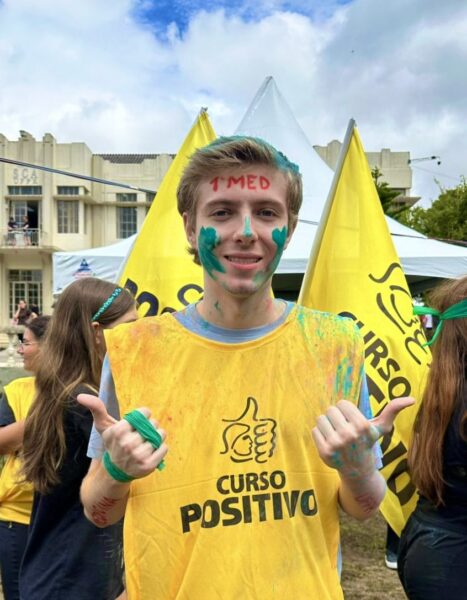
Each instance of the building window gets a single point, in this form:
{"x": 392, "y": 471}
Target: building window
{"x": 19, "y": 209}
{"x": 126, "y": 197}
{"x": 25, "y": 190}
{"x": 68, "y": 190}
{"x": 24, "y": 285}
{"x": 126, "y": 221}
{"x": 68, "y": 216}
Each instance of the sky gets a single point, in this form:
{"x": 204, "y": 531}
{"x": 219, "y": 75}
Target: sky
{"x": 130, "y": 76}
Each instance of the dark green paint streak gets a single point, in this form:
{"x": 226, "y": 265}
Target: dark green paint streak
{"x": 207, "y": 241}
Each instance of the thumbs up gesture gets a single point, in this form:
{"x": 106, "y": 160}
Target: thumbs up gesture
{"x": 344, "y": 437}
{"x": 127, "y": 449}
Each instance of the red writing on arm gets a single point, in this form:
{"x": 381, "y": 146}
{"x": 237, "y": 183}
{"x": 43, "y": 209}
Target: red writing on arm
{"x": 100, "y": 509}
{"x": 367, "y": 502}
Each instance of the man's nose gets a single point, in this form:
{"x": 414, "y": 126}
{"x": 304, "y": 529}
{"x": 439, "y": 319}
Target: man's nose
{"x": 246, "y": 231}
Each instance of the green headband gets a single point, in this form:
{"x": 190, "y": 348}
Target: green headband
{"x": 456, "y": 311}
{"x": 107, "y": 303}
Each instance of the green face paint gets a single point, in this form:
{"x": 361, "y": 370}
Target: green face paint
{"x": 247, "y": 229}
{"x": 207, "y": 241}
{"x": 279, "y": 237}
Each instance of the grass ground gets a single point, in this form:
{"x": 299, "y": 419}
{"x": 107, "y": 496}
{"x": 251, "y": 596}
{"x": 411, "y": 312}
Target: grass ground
{"x": 364, "y": 576}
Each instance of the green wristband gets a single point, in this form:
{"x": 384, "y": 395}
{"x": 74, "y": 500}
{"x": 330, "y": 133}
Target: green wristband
{"x": 114, "y": 471}
{"x": 146, "y": 430}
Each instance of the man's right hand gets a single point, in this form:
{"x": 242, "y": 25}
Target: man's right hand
{"x": 127, "y": 449}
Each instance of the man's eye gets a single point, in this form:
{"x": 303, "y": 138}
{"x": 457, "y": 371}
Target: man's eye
{"x": 267, "y": 212}
{"x": 221, "y": 212}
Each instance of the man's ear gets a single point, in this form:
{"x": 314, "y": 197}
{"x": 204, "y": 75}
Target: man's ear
{"x": 189, "y": 229}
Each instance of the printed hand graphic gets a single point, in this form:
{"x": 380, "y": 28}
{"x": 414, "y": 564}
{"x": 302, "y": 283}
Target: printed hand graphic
{"x": 249, "y": 437}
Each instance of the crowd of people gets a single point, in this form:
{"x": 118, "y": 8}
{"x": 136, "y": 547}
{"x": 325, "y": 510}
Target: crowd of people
{"x": 267, "y": 415}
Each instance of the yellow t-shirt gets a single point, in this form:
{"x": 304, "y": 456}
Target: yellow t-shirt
{"x": 245, "y": 508}
{"x": 16, "y": 497}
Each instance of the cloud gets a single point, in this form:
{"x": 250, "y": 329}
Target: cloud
{"x": 160, "y": 14}
{"x": 130, "y": 75}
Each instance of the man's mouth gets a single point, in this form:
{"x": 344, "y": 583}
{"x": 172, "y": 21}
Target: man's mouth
{"x": 243, "y": 260}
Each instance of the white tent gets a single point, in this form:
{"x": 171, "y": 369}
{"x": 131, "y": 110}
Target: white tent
{"x": 103, "y": 262}
{"x": 270, "y": 118}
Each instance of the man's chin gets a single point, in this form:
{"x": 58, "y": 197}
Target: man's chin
{"x": 243, "y": 289}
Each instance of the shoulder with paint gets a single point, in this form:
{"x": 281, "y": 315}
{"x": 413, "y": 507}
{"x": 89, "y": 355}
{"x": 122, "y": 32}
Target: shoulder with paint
{"x": 129, "y": 331}
{"x": 327, "y": 323}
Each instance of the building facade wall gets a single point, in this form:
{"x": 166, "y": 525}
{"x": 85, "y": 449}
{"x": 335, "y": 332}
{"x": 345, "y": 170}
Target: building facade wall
{"x": 65, "y": 213}
{"x": 394, "y": 166}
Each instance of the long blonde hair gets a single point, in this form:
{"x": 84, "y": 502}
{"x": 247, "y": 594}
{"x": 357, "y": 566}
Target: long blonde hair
{"x": 444, "y": 394}
{"x": 70, "y": 358}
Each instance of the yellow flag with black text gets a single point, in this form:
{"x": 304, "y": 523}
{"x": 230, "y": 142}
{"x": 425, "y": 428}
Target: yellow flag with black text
{"x": 354, "y": 270}
{"x": 159, "y": 271}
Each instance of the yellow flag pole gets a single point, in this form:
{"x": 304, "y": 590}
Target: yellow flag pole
{"x": 326, "y": 211}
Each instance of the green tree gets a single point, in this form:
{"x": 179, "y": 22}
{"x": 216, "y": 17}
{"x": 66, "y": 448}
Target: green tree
{"x": 387, "y": 195}
{"x": 446, "y": 218}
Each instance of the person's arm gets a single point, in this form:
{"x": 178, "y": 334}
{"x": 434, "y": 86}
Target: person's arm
{"x": 11, "y": 437}
{"x": 11, "y": 431}
{"x": 345, "y": 440}
{"x": 103, "y": 498}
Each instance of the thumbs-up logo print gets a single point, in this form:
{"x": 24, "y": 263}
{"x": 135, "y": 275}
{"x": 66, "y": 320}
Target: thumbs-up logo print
{"x": 249, "y": 437}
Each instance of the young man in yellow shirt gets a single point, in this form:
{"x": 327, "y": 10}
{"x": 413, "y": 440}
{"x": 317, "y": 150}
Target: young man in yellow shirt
{"x": 259, "y": 398}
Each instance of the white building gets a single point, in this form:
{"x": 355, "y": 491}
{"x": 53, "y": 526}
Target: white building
{"x": 64, "y": 213}
{"x": 394, "y": 167}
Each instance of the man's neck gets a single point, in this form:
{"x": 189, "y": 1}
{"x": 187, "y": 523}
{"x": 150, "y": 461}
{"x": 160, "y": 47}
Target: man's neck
{"x": 234, "y": 312}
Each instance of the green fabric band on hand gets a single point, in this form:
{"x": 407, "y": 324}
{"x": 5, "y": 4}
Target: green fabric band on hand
{"x": 114, "y": 471}
{"x": 146, "y": 430}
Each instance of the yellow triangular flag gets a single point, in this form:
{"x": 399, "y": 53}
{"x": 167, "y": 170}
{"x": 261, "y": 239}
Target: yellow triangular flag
{"x": 354, "y": 270}
{"x": 159, "y": 271}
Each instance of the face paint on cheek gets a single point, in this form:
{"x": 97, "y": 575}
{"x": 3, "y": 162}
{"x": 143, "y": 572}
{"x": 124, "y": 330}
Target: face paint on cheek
{"x": 207, "y": 241}
{"x": 247, "y": 229}
{"x": 279, "y": 237}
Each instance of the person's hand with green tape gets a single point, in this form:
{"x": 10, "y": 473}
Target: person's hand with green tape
{"x": 129, "y": 455}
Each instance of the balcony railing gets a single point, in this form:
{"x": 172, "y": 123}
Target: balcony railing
{"x": 23, "y": 239}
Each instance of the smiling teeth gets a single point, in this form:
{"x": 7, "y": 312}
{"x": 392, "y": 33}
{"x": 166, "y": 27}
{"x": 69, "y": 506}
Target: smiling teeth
{"x": 245, "y": 261}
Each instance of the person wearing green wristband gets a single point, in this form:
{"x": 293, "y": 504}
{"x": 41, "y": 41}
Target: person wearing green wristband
{"x": 259, "y": 398}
